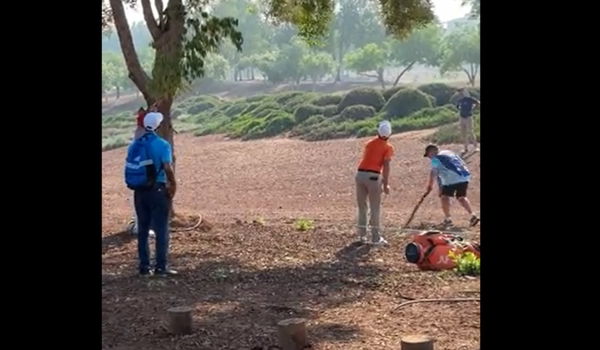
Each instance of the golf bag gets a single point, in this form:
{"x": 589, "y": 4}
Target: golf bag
{"x": 429, "y": 250}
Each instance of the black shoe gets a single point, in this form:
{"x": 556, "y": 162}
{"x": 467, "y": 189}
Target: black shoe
{"x": 165, "y": 273}
{"x": 145, "y": 272}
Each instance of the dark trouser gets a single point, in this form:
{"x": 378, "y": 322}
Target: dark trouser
{"x": 153, "y": 206}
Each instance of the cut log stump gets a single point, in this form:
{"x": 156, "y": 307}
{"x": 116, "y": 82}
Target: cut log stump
{"x": 292, "y": 334}
{"x": 417, "y": 342}
{"x": 180, "y": 320}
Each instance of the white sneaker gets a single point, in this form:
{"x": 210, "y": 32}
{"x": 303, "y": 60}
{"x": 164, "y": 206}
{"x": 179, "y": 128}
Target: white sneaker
{"x": 381, "y": 242}
{"x": 132, "y": 229}
{"x": 363, "y": 239}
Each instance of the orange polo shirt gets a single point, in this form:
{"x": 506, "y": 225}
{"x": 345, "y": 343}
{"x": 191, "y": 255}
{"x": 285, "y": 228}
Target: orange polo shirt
{"x": 376, "y": 152}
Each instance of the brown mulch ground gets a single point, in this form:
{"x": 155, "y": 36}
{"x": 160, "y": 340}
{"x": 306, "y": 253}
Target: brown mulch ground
{"x": 249, "y": 267}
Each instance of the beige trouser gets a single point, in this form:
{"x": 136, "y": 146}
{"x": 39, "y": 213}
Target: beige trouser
{"x": 467, "y": 131}
{"x": 368, "y": 186}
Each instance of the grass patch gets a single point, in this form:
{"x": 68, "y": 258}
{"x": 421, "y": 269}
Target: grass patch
{"x": 467, "y": 264}
{"x": 304, "y": 225}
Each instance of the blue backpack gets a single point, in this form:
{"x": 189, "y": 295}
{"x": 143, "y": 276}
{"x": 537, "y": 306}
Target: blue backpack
{"x": 454, "y": 164}
{"x": 140, "y": 170}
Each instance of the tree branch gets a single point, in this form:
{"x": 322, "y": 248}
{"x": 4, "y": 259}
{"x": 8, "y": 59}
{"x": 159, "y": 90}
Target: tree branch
{"x": 160, "y": 9}
{"x": 150, "y": 21}
{"x": 404, "y": 71}
{"x": 468, "y": 74}
{"x": 136, "y": 72}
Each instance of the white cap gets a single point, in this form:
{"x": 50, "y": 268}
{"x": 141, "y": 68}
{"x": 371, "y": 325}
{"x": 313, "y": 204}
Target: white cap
{"x": 152, "y": 120}
{"x": 384, "y": 129}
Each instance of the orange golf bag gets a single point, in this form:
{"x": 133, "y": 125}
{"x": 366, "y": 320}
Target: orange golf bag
{"x": 429, "y": 250}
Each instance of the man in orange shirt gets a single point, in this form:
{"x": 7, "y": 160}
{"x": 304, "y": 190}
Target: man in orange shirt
{"x": 371, "y": 179}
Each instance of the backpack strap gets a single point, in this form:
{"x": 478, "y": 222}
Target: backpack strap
{"x": 146, "y": 144}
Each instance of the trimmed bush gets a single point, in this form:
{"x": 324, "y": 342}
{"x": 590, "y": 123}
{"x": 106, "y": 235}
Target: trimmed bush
{"x": 363, "y": 128}
{"x": 176, "y": 112}
{"x": 362, "y": 96}
{"x": 425, "y": 119}
{"x": 322, "y": 131}
{"x": 235, "y": 109}
{"x": 474, "y": 92}
{"x": 441, "y": 92}
{"x": 201, "y": 107}
{"x": 210, "y": 124}
{"x": 278, "y": 122}
{"x": 326, "y": 100}
{"x": 284, "y": 97}
{"x": 388, "y": 93}
{"x": 115, "y": 142}
{"x": 357, "y": 112}
{"x": 242, "y": 125}
{"x": 257, "y": 98}
{"x": 431, "y": 100}
{"x": 264, "y": 109}
{"x": 405, "y": 102}
{"x": 451, "y": 133}
{"x": 305, "y": 111}
{"x": 307, "y": 125}
{"x": 330, "y": 111}
{"x": 294, "y": 102}
{"x": 251, "y": 107}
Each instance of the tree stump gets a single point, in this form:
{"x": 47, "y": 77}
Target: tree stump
{"x": 180, "y": 320}
{"x": 292, "y": 334}
{"x": 417, "y": 342}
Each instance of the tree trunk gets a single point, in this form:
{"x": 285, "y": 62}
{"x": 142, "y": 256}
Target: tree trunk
{"x": 474, "y": 72}
{"x": 118, "y": 92}
{"x": 470, "y": 76}
{"x": 380, "y": 77}
{"x": 136, "y": 72}
{"x": 402, "y": 73}
{"x": 252, "y": 73}
{"x": 338, "y": 76}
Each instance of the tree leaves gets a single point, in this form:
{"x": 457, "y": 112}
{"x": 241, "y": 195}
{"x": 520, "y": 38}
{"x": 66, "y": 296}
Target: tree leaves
{"x": 461, "y": 47}
{"x": 203, "y": 35}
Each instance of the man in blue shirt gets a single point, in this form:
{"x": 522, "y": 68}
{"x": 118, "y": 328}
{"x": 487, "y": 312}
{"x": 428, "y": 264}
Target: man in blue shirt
{"x": 453, "y": 179}
{"x": 465, "y": 105}
{"x": 139, "y": 132}
{"x": 153, "y": 205}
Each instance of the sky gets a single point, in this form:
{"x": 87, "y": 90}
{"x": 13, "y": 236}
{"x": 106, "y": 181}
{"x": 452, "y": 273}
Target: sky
{"x": 445, "y": 10}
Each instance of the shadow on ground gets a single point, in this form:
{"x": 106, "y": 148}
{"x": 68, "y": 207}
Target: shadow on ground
{"x": 235, "y": 307}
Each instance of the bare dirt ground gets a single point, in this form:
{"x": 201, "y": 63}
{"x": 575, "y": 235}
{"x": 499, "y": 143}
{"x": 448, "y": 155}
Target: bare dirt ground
{"x": 243, "y": 277}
